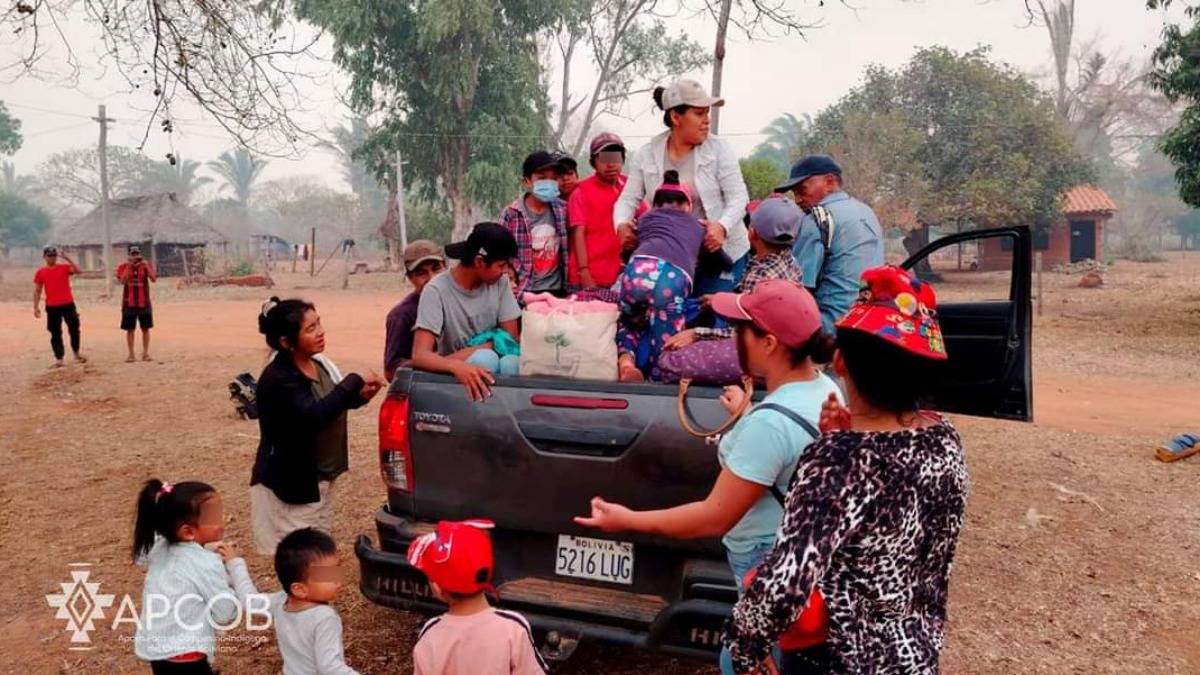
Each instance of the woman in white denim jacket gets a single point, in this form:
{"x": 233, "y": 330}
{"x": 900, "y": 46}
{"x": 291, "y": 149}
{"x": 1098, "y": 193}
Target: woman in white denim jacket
{"x": 710, "y": 168}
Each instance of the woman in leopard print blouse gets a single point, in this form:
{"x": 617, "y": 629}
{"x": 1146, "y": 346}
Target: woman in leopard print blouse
{"x": 875, "y": 506}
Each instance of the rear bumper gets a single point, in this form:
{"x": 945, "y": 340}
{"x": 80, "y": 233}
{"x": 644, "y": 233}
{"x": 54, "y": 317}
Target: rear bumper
{"x": 689, "y": 627}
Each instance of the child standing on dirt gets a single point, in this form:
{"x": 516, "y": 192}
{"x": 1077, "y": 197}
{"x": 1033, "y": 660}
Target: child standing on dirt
{"x": 174, "y": 525}
{"x": 471, "y": 638}
{"x": 309, "y": 631}
{"x": 658, "y": 280}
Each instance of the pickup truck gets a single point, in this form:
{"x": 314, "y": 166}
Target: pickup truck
{"x": 533, "y": 455}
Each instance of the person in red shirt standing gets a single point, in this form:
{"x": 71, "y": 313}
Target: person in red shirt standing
{"x": 596, "y": 250}
{"x": 137, "y": 274}
{"x": 60, "y": 303}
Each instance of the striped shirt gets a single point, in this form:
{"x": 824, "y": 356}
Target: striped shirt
{"x": 492, "y": 642}
{"x": 137, "y": 289}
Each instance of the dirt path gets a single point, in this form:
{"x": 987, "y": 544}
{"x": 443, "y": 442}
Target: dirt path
{"x": 1078, "y": 555}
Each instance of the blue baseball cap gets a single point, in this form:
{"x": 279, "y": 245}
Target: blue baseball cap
{"x": 807, "y": 167}
{"x": 777, "y": 221}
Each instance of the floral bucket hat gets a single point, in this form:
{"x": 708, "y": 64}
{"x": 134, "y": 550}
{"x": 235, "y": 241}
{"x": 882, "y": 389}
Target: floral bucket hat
{"x": 900, "y": 308}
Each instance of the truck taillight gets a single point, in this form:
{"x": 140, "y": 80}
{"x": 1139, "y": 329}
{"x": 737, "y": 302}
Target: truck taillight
{"x": 395, "y": 452}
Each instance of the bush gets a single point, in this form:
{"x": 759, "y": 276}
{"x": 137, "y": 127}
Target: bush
{"x": 242, "y": 269}
{"x": 1138, "y": 249}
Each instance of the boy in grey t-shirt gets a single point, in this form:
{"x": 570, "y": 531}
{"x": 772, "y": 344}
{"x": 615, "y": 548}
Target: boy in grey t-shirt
{"x": 472, "y": 299}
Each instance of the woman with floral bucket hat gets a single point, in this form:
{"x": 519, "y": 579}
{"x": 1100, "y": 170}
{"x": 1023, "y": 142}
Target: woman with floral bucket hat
{"x": 874, "y": 510}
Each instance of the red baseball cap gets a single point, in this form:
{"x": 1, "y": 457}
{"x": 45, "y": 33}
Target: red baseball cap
{"x": 779, "y": 307}
{"x": 457, "y": 556}
{"x": 900, "y": 308}
{"x": 606, "y": 140}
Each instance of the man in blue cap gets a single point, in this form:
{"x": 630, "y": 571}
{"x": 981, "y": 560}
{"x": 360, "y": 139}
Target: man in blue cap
{"x": 839, "y": 238}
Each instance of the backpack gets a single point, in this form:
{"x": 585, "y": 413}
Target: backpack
{"x": 826, "y": 227}
{"x": 243, "y": 391}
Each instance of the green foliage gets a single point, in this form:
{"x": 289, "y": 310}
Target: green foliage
{"x": 240, "y": 170}
{"x": 761, "y": 176}
{"x": 1177, "y": 75}
{"x": 243, "y": 268}
{"x": 1188, "y": 227}
{"x": 951, "y": 138}
{"x": 180, "y": 178}
{"x": 21, "y": 223}
{"x": 451, "y": 76}
{"x": 10, "y": 132}
{"x": 786, "y": 137}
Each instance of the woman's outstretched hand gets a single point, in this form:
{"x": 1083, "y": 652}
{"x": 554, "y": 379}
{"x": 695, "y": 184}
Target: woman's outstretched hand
{"x": 372, "y": 385}
{"x": 606, "y": 516}
{"x": 834, "y": 416}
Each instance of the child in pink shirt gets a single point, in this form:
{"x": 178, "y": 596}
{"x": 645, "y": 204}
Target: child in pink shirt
{"x": 472, "y": 638}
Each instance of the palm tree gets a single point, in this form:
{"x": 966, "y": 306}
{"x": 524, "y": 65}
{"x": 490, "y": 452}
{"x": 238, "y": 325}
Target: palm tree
{"x": 240, "y": 169}
{"x": 11, "y": 183}
{"x": 178, "y": 178}
{"x": 786, "y": 135}
{"x": 346, "y": 140}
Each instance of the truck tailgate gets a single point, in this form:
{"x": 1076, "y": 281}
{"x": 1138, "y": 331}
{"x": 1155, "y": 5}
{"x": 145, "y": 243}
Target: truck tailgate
{"x": 532, "y": 456}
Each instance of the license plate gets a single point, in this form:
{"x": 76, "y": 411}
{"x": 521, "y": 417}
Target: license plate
{"x": 595, "y": 559}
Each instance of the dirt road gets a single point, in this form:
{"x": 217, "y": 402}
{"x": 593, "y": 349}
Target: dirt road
{"x": 1077, "y": 555}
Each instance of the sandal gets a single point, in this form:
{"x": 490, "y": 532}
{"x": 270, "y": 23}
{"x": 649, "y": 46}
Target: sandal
{"x": 130, "y": 359}
{"x": 1180, "y": 447}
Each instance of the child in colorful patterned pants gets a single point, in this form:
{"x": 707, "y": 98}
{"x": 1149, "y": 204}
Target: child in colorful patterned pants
{"x": 657, "y": 280}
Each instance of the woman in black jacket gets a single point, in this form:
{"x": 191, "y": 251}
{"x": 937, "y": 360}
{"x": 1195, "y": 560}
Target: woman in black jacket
{"x": 302, "y": 404}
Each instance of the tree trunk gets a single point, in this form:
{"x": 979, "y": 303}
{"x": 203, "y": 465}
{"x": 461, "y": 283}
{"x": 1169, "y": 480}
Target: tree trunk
{"x": 719, "y": 61}
{"x": 914, "y": 241}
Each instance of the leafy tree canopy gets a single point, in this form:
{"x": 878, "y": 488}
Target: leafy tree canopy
{"x": 21, "y": 223}
{"x": 1177, "y": 75}
{"x": 10, "y": 132}
{"x": 458, "y": 83}
{"x": 761, "y": 176}
{"x": 951, "y": 138}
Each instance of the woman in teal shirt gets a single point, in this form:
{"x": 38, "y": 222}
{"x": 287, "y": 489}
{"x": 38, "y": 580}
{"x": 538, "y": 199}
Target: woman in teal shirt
{"x": 780, "y": 340}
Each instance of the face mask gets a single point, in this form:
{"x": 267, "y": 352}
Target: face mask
{"x": 545, "y": 191}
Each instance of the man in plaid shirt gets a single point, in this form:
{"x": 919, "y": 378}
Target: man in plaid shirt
{"x": 774, "y": 226}
{"x": 538, "y": 221}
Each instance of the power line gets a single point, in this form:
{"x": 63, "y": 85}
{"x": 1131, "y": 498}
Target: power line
{"x": 47, "y": 111}
{"x": 53, "y": 131}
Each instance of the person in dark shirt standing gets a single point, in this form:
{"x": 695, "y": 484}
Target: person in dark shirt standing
{"x": 136, "y": 274}
{"x": 423, "y": 260}
{"x": 60, "y": 303}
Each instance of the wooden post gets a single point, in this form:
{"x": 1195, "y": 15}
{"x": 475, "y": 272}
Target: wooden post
{"x": 187, "y": 272}
{"x": 1037, "y": 257}
{"x": 719, "y": 62}
{"x": 345, "y": 265}
{"x": 312, "y": 255}
{"x": 103, "y": 119}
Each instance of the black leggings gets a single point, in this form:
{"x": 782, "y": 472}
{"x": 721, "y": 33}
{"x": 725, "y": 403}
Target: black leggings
{"x": 200, "y": 667}
{"x": 55, "y": 316}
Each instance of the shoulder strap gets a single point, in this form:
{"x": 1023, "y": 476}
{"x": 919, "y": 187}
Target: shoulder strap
{"x": 795, "y": 417}
{"x": 825, "y": 226}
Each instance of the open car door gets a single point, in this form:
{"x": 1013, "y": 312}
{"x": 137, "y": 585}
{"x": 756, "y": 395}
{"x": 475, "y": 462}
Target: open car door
{"x": 988, "y": 341}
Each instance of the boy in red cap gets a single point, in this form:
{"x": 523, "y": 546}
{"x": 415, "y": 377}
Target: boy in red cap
{"x": 472, "y": 638}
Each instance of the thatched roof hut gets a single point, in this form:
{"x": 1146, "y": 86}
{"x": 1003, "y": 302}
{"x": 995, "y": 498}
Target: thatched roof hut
{"x": 169, "y": 232}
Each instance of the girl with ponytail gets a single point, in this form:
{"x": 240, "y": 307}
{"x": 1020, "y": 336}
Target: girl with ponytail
{"x": 187, "y": 594}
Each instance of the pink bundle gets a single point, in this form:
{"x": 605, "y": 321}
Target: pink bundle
{"x": 544, "y": 303}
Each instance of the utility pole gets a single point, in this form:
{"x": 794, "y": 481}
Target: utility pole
{"x": 108, "y": 269}
{"x": 400, "y": 203}
{"x": 719, "y": 62}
